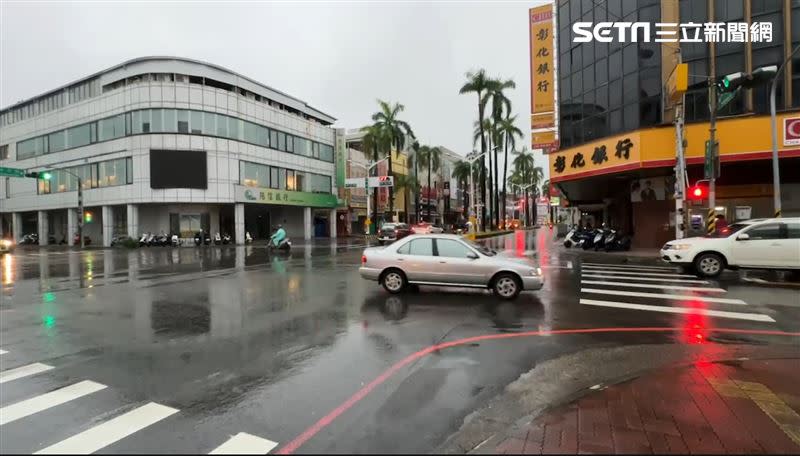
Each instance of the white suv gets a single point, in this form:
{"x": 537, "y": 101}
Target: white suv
{"x": 757, "y": 244}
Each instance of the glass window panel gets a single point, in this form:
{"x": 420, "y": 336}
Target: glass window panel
{"x": 615, "y": 93}
{"x": 577, "y": 86}
{"x": 421, "y": 247}
{"x": 630, "y": 58}
{"x": 299, "y": 181}
{"x": 326, "y": 152}
{"x": 650, "y": 81}
{"x": 222, "y": 125}
{"x": 57, "y": 141}
{"x": 170, "y": 124}
{"x": 601, "y": 72}
{"x": 209, "y": 123}
{"x": 588, "y": 78}
{"x": 630, "y": 117}
{"x": 183, "y": 121}
{"x": 250, "y": 134}
{"x": 289, "y": 143}
{"x": 281, "y": 178}
{"x": 129, "y": 170}
{"x": 601, "y": 98}
{"x": 157, "y": 120}
{"x": 615, "y": 66}
{"x": 587, "y": 51}
{"x": 630, "y": 92}
{"x": 290, "y": 180}
{"x": 273, "y": 139}
{"x": 234, "y": 128}
{"x": 262, "y": 136}
{"x": 281, "y": 141}
{"x": 274, "y": 181}
{"x": 136, "y": 121}
{"x": 79, "y": 136}
{"x": 196, "y": 122}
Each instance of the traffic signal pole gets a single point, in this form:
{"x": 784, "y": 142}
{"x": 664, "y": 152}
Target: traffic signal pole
{"x": 80, "y": 210}
{"x": 711, "y": 218}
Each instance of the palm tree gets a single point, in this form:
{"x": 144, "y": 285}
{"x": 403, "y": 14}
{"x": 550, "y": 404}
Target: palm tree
{"x": 414, "y": 162}
{"x": 500, "y": 104}
{"x": 531, "y": 175}
{"x": 484, "y": 133}
{"x": 510, "y": 132}
{"x": 462, "y": 172}
{"x": 406, "y": 184}
{"x": 431, "y": 158}
{"x": 516, "y": 180}
{"x": 396, "y": 130}
{"x": 374, "y": 142}
{"x": 478, "y": 83}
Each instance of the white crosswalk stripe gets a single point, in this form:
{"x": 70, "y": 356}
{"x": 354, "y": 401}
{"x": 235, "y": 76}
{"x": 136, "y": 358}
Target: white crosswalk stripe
{"x": 664, "y": 296}
{"x": 644, "y": 279}
{"x": 681, "y": 310}
{"x": 643, "y": 274}
{"x": 626, "y": 281}
{"x": 243, "y": 443}
{"x": 647, "y": 285}
{"x": 24, "y": 371}
{"x": 111, "y": 431}
{"x": 45, "y": 401}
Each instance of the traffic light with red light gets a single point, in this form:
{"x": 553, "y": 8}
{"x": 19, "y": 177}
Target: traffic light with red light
{"x": 698, "y": 192}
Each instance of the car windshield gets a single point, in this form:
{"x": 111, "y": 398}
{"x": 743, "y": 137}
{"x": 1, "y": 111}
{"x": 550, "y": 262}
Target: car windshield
{"x": 728, "y": 230}
{"x": 482, "y": 248}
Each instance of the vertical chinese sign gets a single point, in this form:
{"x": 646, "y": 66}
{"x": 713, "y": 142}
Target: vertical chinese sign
{"x": 543, "y": 133}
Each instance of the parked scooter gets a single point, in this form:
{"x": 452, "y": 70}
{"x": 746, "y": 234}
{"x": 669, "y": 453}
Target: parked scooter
{"x": 600, "y": 238}
{"x": 206, "y": 239}
{"x": 217, "y": 239}
{"x": 151, "y": 240}
{"x": 198, "y": 238}
{"x": 162, "y": 240}
{"x": 143, "y": 239}
{"x": 226, "y": 238}
{"x": 31, "y": 239}
{"x": 247, "y": 238}
{"x": 175, "y": 241}
{"x": 617, "y": 240}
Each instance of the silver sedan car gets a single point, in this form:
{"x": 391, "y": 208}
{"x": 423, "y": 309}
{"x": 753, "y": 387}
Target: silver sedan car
{"x": 449, "y": 260}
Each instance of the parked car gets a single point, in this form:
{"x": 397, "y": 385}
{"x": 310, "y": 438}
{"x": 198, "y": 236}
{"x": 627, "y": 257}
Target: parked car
{"x": 449, "y": 260}
{"x": 6, "y": 246}
{"x": 390, "y": 232}
{"x": 437, "y": 229}
{"x": 421, "y": 228}
{"x": 751, "y": 244}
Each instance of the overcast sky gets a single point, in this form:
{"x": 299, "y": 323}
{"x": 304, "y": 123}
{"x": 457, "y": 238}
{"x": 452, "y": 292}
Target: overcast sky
{"x": 337, "y": 56}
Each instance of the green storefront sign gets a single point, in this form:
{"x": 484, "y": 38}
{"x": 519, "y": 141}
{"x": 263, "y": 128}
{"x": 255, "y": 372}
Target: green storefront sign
{"x": 284, "y": 197}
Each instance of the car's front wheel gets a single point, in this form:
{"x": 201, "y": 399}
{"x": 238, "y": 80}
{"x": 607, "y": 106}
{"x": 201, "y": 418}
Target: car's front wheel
{"x": 709, "y": 264}
{"x": 507, "y": 286}
{"x": 394, "y": 281}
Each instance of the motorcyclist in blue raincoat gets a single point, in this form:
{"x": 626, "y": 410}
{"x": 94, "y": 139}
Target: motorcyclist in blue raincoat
{"x": 279, "y": 236}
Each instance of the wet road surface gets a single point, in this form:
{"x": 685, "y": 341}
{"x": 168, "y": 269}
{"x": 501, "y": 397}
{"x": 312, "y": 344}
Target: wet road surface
{"x": 189, "y": 349}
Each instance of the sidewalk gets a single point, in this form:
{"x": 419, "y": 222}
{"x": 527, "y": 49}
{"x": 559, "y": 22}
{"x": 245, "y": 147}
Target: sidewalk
{"x": 726, "y": 407}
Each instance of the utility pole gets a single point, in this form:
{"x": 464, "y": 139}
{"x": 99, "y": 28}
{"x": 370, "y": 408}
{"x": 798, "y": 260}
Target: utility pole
{"x": 680, "y": 179}
{"x": 776, "y": 177}
{"x": 80, "y": 209}
{"x": 711, "y": 218}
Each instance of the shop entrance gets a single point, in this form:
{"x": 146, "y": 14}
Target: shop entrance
{"x": 257, "y": 221}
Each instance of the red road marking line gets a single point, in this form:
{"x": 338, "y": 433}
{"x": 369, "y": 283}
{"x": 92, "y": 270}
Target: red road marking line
{"x": 323, "y": 422}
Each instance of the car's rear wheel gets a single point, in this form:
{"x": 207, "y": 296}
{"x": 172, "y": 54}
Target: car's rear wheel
{"x": 506, "y": 286}
{"x": 709, "y": 264}
{"x": 394, "y": 281}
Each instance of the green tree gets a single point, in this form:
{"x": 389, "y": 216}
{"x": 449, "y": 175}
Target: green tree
{"x": 413, "y": 163}
{"x": 462, "y": 174}
{"x": 406, "y": 184}
{"x": 430, "y": 158}
{"x": 397, "y": 131}
{"x": 509, "y": 132}
{"x": 478, "y": 83}
{"x": 374, "y": 142}
{"x": 532, "y": 176}
{"x": 501, "y": 108}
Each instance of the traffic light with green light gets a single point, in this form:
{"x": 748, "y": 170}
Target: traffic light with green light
{"x": 41, "y": 175}
{"x": 87, "y": 217}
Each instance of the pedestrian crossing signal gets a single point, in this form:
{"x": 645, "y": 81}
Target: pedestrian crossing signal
{"x": 697, "y": 192}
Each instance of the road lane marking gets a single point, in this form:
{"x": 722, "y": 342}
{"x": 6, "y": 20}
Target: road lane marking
{"x": 630, "y": 266}
{"x": 115, "y": 429}
{"x": 645, "y": 279}
{"x": 647, "y": 285}
{"x": 664, "y": 296}
{"x": 680, "y": 310}
{"x": 45, "y": 401}
{"x": 243, "y": 443}
{"x": 24, "y": 371}
{"x": 646, "y": 274}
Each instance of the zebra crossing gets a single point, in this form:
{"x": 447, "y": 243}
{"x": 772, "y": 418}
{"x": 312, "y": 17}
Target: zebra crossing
{"x": 618, "y": 286}
{"x": 100, "y": 433}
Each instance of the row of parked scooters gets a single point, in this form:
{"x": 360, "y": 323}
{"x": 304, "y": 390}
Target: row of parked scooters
{"x": 602, "y": 238}
{"x": 200, "y": 238}
{"x": 33, "y": 239}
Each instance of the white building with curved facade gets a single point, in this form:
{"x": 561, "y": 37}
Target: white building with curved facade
{"x": 168, "y": 144}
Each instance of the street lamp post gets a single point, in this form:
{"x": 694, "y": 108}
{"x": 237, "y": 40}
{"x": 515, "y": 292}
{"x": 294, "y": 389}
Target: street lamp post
{"x": 472, "y": 158}
{"x": 776, "y": 178}
{"x": 367, "y": 168}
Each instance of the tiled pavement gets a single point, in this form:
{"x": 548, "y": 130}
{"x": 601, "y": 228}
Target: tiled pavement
{"x": 739, "y": 407}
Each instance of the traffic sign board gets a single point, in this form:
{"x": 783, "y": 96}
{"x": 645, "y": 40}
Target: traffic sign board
{"x": 381, "y": 181}
{"x": 355, "y": 182}
{"x": 13, "y": 172}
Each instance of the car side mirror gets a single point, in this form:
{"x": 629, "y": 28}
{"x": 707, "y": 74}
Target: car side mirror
{"x": 472, "y": 256}
{"x": 743, "y": 237}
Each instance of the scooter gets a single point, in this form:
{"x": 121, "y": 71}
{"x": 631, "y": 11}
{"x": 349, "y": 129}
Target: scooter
{"x": 617, "y": 241}
{"x": 32, "y": 238}
{"x": 151, "y": 240}
{"x": 206, "y": 238}
{"x": 198, "y": 238}
{"x": 143, "y": 240}
{"x": 599, "y": 238}
{"x": 574, "y": 236}
{"x": 284, "y": 246}
{"x": 217, "y": 239}
{"x": 176, "y": 242}
{"x": 247, "y": 238}
{"x": 162, "y": 240}
{"x": 226, "y": 238}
